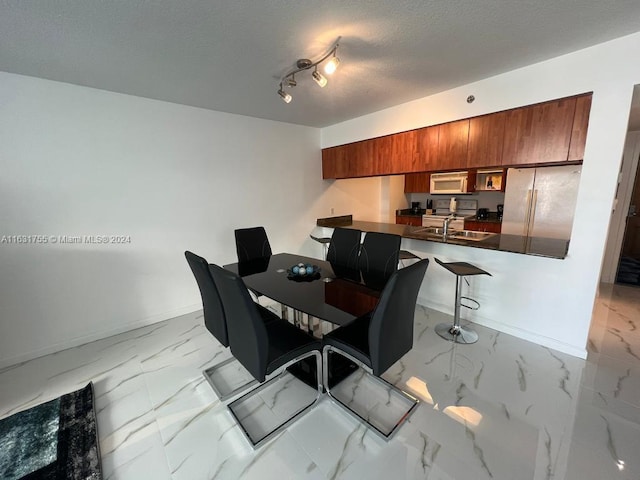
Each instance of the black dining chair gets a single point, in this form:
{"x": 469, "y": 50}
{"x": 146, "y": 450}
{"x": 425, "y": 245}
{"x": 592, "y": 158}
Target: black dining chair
{"x": 215, "y": 322}
{"x": 344, "y": 247}
{"x": 379, "y": 254}
{"x": 252, "y": 243}
{"x": 262, "y": 348}
{"x": 379, "y": 339}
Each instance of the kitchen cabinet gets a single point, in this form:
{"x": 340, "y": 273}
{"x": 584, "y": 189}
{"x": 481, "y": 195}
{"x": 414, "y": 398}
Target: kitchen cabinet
{"x": 539, "y": 133}
{"x": 416, "y": 183}
{"x": 549, "y": 132}
{"x": 486, "y": 138}
{"x": 490, "y": 180}
{"x": 403, "y": 152}
{"x": 388, "y": 155}
{"x": 335, "y": 161}
{"x": 414, "y": 220}
{"x": 453, "y": 142}
{"x": 427, "y": 148}
{"x": 579, "y": 130}
{"x": 493, "y": 227}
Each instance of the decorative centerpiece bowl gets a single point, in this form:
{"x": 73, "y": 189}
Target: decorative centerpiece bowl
{"x": 303, "y": 272}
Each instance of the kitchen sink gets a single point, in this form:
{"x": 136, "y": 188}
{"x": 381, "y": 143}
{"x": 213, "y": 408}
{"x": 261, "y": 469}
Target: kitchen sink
{"x": 432, "y": 231}
{"x": 471, "y": 235}
{"x": 438, "y": 232}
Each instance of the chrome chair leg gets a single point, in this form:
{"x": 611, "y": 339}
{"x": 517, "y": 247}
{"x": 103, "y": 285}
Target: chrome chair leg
{"x": 256, "y": 443}
{"x": 225, "y": 396}
{"x": 410, "y": 400}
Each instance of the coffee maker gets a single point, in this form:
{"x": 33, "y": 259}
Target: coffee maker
{"x": 415, "y": 207}
{"x": 482, "y": 214}
{"x": 500, "y": 208}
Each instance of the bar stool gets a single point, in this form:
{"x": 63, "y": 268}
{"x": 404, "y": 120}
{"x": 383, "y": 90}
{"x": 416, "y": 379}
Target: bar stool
{"x": 324, "y": 241}
{"x": 407, "y": 255}
{"x": 455, "y": 332}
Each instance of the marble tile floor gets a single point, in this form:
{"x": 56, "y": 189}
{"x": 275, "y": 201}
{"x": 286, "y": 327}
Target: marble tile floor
{"x": 502, "y": 408}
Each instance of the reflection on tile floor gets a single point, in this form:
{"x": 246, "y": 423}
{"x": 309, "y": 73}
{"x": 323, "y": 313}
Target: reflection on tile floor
{"x": 502, "y": 408}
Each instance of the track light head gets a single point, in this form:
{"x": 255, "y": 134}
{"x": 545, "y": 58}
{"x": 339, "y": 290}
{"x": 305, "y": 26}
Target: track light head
{"x": 291, "y": 81}
{"x": 286, "y": 98}
{"x": 319, "y": 78}
{"x": 332, "y": 64}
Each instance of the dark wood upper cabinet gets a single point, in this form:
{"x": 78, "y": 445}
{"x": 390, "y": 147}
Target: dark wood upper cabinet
{"x": 538, "y": 133}
{"x": 402, "y": 152}
{"x": 580, "y": 125}
{"x": 426, "y": 148}
{"x": 416, "y": 183}
{"x": 364, "y": 162}
{"x": 335, "y": 162}
{"x": 486, "y": 136}
{"x": 544, "y": 133}
{"x": 453, "y": 143}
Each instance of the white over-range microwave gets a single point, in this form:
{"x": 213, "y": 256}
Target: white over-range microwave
{"x": 451, "y": 182}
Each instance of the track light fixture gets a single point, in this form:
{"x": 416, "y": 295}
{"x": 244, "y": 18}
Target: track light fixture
{"x": 302, "y": 64}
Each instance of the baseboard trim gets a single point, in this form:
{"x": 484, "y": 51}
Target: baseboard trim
{"x": 76, "y": 342}
{"x": 510, "y": 330}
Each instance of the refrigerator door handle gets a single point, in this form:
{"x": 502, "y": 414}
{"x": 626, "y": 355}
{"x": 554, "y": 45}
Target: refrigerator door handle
{"x": 525, "y": 225}
{"x": 534, "y": 204}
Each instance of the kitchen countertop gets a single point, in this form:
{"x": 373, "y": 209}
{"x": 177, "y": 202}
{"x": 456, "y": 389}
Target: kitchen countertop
{"x": 492, "y": 218}
{"x": 409, "y": 212}
{"x": 543, "y": 247}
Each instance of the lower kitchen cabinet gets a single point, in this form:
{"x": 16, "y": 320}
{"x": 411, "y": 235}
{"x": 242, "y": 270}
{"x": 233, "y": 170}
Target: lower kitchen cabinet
{"x": 493, "y": 227}
{"x": 414, "y": 220}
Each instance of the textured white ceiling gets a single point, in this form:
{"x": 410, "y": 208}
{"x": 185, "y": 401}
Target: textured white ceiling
{"x": 228, "y": 55}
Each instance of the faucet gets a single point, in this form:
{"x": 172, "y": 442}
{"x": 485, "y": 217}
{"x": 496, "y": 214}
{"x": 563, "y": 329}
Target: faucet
{"x": 445, "y": 225}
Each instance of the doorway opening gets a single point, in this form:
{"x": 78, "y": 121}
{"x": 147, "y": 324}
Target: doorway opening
{"x": 629, "y": 263}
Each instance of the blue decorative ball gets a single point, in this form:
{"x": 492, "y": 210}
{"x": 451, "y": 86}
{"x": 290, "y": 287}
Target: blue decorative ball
{"x": 295, "y": 270}
{"x": 309, "y": 270}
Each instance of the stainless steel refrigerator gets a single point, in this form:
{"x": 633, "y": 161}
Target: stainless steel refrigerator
{"x": 541, "y": 202}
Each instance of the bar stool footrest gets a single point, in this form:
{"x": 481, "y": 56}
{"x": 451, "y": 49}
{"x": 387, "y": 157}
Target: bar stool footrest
{"x": 475, "y": 306}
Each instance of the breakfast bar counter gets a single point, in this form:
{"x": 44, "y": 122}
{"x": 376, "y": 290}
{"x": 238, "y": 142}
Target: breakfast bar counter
{"x": 538, "y": 246}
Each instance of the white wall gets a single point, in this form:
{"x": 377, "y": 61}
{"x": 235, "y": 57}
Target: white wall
{"x": 80, "y": 161}
{"x": 544, "y": 300}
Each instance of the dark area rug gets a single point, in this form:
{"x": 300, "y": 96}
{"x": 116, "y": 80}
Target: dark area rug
{"x": 55, "y": 440}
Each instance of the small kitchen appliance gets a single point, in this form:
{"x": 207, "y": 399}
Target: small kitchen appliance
{"x": 500, "y": 208}
{"x": 415, "y": 207}
{"x": 483, "y": 214}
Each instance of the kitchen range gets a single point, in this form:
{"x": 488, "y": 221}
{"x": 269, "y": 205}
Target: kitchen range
{"x": 459, "y": 210}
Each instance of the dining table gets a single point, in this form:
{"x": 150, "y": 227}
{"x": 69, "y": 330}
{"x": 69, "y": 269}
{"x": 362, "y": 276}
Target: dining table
{"x": 333, "y": 294}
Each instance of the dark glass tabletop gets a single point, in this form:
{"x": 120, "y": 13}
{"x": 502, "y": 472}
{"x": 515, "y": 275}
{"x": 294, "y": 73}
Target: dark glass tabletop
{"x": 336, "y": 295}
